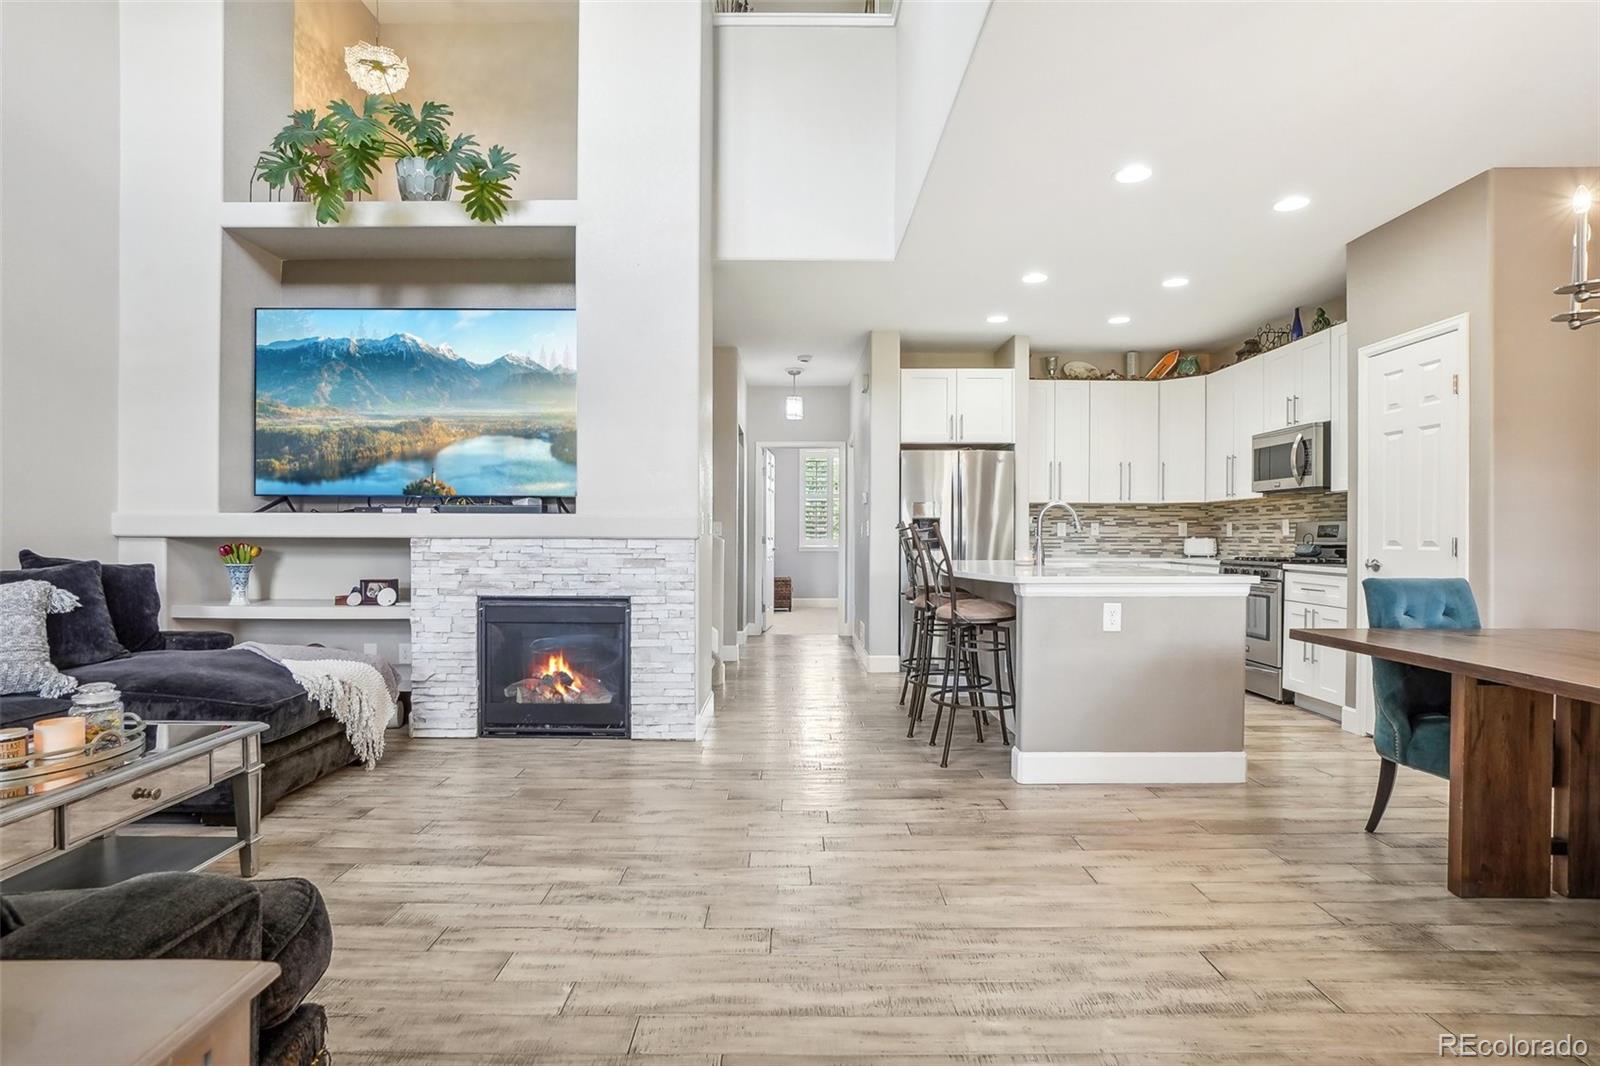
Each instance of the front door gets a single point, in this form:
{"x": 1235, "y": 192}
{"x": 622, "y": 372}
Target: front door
{"x": 1412, "y": 465}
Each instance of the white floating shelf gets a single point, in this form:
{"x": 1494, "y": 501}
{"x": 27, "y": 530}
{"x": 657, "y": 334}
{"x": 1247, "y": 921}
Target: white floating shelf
{"x": 322, "y": 610}
{"x": 381, "y": 229}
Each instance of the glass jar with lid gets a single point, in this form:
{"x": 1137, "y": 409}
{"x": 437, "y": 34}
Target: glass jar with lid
{"x": 99, "y": 703}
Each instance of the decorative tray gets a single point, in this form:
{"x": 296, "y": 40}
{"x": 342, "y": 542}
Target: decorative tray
{"x": 106, "y": 750}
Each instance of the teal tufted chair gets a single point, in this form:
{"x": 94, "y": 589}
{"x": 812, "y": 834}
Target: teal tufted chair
{"x": 1413, "y": 703}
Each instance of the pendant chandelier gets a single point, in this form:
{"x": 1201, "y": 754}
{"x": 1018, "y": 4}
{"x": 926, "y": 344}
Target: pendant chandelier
{"x": 376, "y": 70}
{"x": 1582, "y": 288}
{"x": 794, "y": 405}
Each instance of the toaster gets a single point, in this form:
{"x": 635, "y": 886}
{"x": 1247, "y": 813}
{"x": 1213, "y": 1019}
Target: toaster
{"x": 1200, "y": 547}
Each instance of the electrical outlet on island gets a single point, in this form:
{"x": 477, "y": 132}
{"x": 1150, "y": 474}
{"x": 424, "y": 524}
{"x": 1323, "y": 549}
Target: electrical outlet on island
{"x": 1094, "y": 529}
{"x": 1183, "y": 529}
{"x": 1111, "y": 617}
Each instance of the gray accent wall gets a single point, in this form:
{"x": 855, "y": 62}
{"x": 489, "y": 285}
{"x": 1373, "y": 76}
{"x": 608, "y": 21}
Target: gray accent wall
{"x": 815, "y": 573}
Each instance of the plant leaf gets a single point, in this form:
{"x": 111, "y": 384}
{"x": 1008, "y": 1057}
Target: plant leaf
{"x": 460, "y": 156}
{"x": 483, "y": 198}
{"x": 500, "y": 166}
{"x": 352, "y": 126}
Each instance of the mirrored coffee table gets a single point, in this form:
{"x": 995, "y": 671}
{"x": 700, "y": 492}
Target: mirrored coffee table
{"x": 66, "y": 830}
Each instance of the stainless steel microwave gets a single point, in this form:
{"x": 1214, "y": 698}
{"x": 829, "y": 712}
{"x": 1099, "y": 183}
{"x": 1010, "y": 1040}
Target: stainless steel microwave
{"x": 1290, "y": 460}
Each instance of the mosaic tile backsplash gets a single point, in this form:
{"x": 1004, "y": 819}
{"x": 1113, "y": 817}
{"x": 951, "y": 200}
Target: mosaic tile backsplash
{"x": 1152, "y": 529}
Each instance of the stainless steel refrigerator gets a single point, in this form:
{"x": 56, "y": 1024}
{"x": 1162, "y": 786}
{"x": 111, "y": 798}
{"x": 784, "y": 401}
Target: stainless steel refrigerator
{"x": 972, "y": 491}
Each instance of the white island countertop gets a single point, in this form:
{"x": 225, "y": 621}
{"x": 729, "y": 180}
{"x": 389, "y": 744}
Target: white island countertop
{"x": 1103, "y": 576}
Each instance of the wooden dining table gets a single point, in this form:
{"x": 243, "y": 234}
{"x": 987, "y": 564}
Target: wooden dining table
{"x": 1524, "y": 726}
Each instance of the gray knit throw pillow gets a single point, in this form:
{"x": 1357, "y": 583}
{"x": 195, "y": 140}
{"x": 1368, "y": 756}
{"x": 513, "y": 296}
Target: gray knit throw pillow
{"x": 25, "y": 664}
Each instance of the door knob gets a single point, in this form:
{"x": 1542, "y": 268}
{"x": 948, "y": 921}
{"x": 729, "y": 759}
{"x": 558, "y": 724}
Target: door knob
{"x": 1373, "y": 565}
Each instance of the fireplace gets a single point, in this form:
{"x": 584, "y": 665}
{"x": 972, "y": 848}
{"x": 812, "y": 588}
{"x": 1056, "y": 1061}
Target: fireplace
{"x": 553, "y": 666}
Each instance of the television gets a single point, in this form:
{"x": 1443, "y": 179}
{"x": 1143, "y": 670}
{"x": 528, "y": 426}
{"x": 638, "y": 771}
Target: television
{"x": 416, "y": 402}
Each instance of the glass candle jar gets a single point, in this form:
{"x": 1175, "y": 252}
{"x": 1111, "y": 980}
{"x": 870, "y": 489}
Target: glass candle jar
{"x": 99, "y": 704}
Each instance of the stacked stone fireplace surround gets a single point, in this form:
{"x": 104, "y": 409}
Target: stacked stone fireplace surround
{"x": 449, "y": 574}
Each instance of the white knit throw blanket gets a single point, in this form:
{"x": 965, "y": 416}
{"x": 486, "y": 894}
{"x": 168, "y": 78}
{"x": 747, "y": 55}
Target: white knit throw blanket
{"x": 355, "y": 694}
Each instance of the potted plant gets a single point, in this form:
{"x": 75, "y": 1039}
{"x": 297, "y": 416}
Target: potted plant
{"x": 330, "y": 159}
{"x": 428, "y": 159}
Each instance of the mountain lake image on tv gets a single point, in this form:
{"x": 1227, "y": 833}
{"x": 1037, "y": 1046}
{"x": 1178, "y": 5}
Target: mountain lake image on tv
{"x": 424, "y": 402}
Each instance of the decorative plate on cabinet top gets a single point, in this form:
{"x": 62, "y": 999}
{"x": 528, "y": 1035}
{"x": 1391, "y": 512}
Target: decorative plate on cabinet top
{"x": 1078, "y": 370}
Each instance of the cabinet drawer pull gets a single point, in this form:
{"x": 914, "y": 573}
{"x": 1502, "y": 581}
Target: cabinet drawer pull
{"x": 143, "y": 793}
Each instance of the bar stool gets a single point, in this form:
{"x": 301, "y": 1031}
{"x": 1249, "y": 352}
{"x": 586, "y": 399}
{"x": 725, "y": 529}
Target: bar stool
{"x": 925, "y": 628}
{"x": 919, "y": 609}
{"x": 973, "y": 627}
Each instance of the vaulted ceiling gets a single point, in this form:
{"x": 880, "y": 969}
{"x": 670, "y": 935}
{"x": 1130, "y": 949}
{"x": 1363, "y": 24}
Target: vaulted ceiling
{"x": 1368, "y": 109}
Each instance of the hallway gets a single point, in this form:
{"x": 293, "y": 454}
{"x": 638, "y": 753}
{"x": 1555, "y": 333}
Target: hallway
{"x": 807, "y": 886}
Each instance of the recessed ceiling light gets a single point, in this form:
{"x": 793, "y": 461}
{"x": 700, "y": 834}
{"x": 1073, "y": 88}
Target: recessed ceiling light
{"x": 1035, "y": 277}
{"x": 1118, "y": 320}
{"x": 1292, "y": 203}
{"x": 1174, "y": 283}
{"x": 997, "y": 319}
{"x": 1133, "y": 173}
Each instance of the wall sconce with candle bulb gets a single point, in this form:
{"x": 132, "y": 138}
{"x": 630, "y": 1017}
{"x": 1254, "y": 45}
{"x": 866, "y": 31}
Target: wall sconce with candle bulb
{"x": 1582, "y": 288}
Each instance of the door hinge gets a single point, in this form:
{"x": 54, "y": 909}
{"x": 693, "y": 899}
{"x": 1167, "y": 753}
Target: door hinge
{"x": 1455, "y": 384}
{"x": 1455, "y": 547}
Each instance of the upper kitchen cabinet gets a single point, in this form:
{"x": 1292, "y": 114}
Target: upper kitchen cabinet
{"x": 1299, "y": 382}
{"x": 1182, "y": 474}
{"x": 1058, "y": 441}
{"x": 1339, "y": 423}
{"x": 957, "y": 406}
{"x": 1124, "y": 442}
{"x": 1234, "y": 414}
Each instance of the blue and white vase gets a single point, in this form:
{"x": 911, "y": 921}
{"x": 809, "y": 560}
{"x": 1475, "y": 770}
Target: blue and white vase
{"x": 238, "y": 583}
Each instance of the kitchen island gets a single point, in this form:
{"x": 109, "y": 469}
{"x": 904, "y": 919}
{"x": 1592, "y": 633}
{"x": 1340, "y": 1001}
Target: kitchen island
{"x": 1127, "y": 671}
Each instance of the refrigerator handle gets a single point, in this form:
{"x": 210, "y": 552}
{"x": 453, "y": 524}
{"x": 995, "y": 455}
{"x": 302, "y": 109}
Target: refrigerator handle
{"x": 959, "y": 516}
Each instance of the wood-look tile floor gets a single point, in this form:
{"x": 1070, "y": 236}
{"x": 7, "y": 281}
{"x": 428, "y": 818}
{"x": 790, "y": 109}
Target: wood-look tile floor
{"x": 808, "y": 887}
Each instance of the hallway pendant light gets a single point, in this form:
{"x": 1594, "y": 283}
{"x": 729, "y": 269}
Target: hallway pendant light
{"x": 1582, "y": 287}
{"x": 794, "y": 405}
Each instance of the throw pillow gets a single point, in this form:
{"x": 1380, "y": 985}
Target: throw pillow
{"x": 25, "y": 664}
{"x": 86, "y": 635}
{"x": 131, "y": 597}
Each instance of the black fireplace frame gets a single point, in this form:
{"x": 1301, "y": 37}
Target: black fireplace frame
{"x": 576, "y": 607}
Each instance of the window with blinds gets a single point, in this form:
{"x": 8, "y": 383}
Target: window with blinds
{"x": 819, "y": 499}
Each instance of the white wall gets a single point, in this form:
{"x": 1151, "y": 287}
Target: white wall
{"x": 58, "y": 278}
{"x": 883, "y": 508}
{"x": 815, "y": 572}
{"x": 805, "y": 142}
{"x": 934, "y": 40}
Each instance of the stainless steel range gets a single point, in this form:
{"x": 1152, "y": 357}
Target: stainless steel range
{"x": 1316, "y": 543}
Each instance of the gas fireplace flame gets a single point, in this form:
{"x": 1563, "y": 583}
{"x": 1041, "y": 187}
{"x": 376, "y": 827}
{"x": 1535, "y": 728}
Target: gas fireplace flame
{"x": 566, "y": 681}
{"x": 552, "y": 678}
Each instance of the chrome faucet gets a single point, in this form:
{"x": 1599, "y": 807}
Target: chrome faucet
{"x": 1038, "y": 527}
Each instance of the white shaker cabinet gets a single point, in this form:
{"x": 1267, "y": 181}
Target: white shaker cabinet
{"x": 984, "y": 406}
{"x": 927, "y": 406}
{"x": 1182, "y": 437}
{"x": 1124, "y": 442}
{"x": 1058, "y": 441}
{"x": 1233, "y": 416}
{"x": 1339, "y": 420}
{"x": 951, "y": 406}
{"x": 1299, "y": 382}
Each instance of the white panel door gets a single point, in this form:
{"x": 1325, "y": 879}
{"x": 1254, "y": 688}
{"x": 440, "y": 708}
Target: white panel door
{"x": 1182, "y": 440}
{"x": 984, "y": 406}
{"x": 927, "y": 406}
{"x": 1041, "y": 442}
{"x": 1107, "y": 463}
{"x": 1313, "y": 395}
{"x": 1141, "y": 440}
{"x": 1249, "y": 418}
{"x": 1281, "y": 368}
{"x": 1412, "y": 466}
{"x": 1072, "y": 440}
{"x": 1221, "y": 435}
{"x": 1339, "y": 417}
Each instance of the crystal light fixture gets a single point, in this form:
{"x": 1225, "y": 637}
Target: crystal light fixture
{"x": 375, "y": 69}
{"x": 794, "y": 405}
{"x": 1582, "y": 287}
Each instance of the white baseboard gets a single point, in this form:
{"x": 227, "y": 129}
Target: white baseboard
{"x": 874, "y": 664}
{"x": 1127, "y": 767}
{"x": 813, "y": 602}
{"x": 702, "y": 719}
{"x": 728, "y": 653}
{"x": 1350, "y": 721}
{"x": 744, "y": 633}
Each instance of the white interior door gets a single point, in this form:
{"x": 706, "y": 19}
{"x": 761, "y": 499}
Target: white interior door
{"x": 769, "y": 540}
{"x": 1412, "y": 463}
